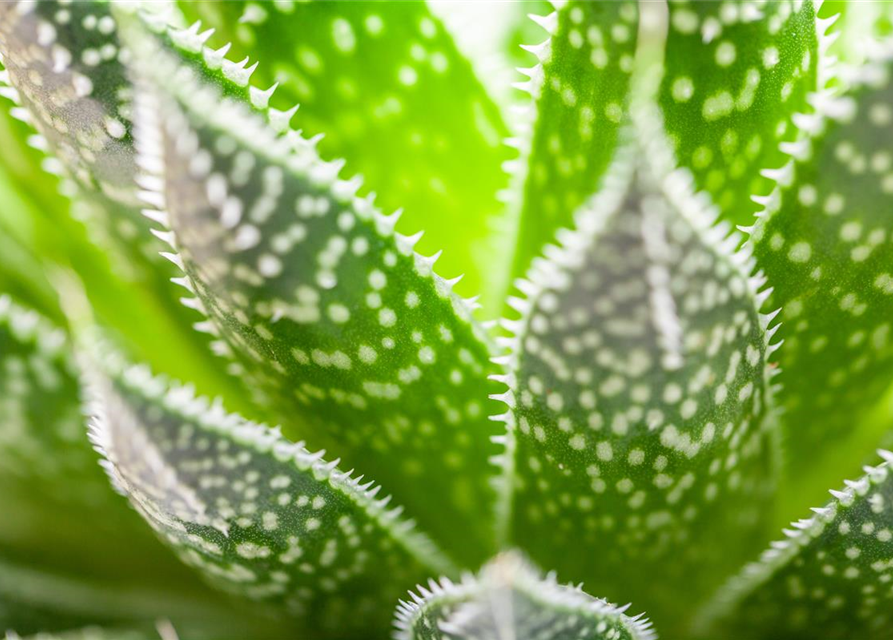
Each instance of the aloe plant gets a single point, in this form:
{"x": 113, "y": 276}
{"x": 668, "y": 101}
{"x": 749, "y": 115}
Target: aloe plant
{"x": 243, "y": 397}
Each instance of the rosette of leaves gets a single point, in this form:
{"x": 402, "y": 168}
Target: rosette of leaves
{"x": 631, "y": 425}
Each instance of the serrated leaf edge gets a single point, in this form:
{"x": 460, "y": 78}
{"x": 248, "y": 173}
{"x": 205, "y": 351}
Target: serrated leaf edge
{"x": 151, "y": 174}
{"x": 780, "y": 552}
{"x": 98, "y": 361}
{"x": 545, "y": 589}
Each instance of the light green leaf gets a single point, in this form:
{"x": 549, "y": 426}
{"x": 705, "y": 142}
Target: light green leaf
{"x": 42, "y": 435}
{"x": 65, "y": 77}
{"x": 512, "y": 600}
{"x": 824, "y": 243}
{"x": 89, "y": 633}
{"x": 580, "y": 89}
{"x": 830, "y": 578}
{"x": 360, "y": 346}
{"x": 257, "y": 515}
{"x": 639, "y": 398}
{"x": 737, "y": 75}
{"x": 387, "y": 87}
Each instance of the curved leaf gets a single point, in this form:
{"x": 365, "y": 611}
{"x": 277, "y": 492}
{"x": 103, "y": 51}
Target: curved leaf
{"x": 358, "y": 344}
{"x": 823, "y": 242}
{"x": 830, "y": 578}
{"x": 580, "y": 88}
{"x": 257, "y": 515}
{"x": 511, "y": 600}
{"x": 388, "y": 88}
{"x": 65, "y": 75}
{"x": 639, "y": 398}
{"x": 737, "y": 76}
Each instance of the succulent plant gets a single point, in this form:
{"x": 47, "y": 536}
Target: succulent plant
{"x": 677, "y": 189}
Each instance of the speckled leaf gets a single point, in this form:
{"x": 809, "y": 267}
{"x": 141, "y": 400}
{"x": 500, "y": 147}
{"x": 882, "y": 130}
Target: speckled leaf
{"x": 258, "y": 515}
{"x": 42, "y": 438}
{"x": 580, "y": 89}
{"x": 359, "y": 345}
{"x": 825, "y": 244}
{"x": 639, "y": 390}
{"x": 65, "y": 77}
{"x": 385, "y": 84}
{"x": 511, "y": 600}
{"x": 830, "y": 578}
{"x": 736, "y": 75}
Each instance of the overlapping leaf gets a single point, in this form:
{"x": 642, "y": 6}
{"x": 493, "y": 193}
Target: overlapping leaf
{"x": 824, "y": 242}
{"x": 511, "y": 600}
{"x": 259, "y": 516}
{"x": 638, "y": 399}
{"x": 830, "y": 578}
{"x": 387, "y": 87}
{"x": 346, "y": 328}
{"x": 580, "y": 87}
{"x": 65, "y": 76}
{"x": 737, "y": 73}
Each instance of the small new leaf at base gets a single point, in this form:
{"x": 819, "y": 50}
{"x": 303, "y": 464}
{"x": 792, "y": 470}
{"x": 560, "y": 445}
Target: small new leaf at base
{"x": 639, "y": 399}
{"x": 259, "y": 516}
{"x": 831, "y": 578}
{"x": 511, "y": 600}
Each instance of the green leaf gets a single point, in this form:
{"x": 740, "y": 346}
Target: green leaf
{"x": 580, "y": 91}
{"x": 42, "y": 438}
{"x": 830, "y": 578}
{"x": 257, "y": 515}
{"x": 737, "y": 76}
{"x": 359, "y": 345}
{"x": 639, "y": 397}
{"x": 387, "y": 87}
{"x": 66, "y": 78}
{"x": 824, "y": 243}
{"x": 511, "y": 600}
{"x": 89, "y": 633}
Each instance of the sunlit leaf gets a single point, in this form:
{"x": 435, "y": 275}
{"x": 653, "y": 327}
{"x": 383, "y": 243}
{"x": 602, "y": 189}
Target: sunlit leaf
{"x": 824, "y": 243}
{"x": 392, "y": 95}
{"x": 511, "y": 600}
{"x": 580, "y": 88}
{"x": 358, "y": 344}
{"x": 830, "y": 578}
{"x": 737, "y": 73}
{"x": 639, "y": 398}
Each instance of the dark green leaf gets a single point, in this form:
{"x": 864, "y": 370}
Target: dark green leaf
{"x": 824, "y": 243}
{"x": 360, "y": 346}
{"x": 830, "y": 578}
{"x": 639, "y": 398}
{"x": 580, "y": 88}
{"x": 737, "y": 75}
{"x": 257, "y": 515}
{"x": 511, "y": 600}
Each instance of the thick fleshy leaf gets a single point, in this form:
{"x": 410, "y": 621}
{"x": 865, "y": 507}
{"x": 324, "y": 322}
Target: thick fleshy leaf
{"x": 257, "y": 515}
{"x": 65, "y": 76}
{"x": 360, "y": 347}
{"x": 387, "y": 87}
{"x": 512, "y": 600}
{"x": 736, "y": 76}
{"x": 580, "y": 89}
{"x": 42, "y": 436}
{"x": 830, "y": 578}
{"x": 639, "y": 399}
{"x": 824, "y": 243}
